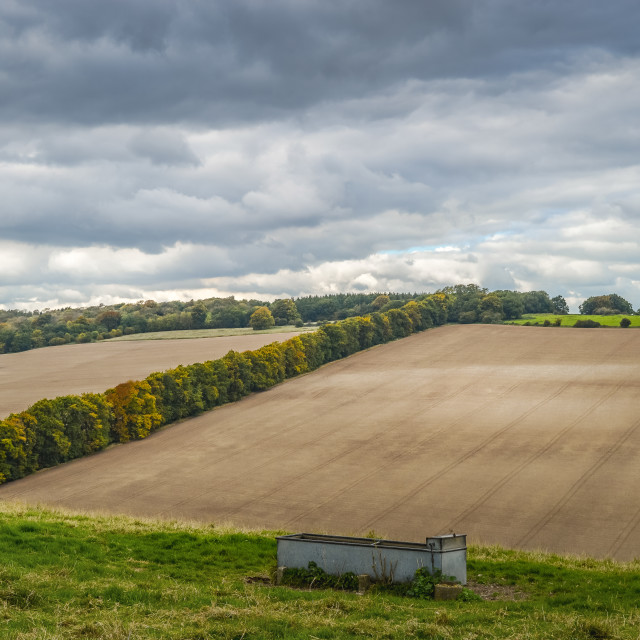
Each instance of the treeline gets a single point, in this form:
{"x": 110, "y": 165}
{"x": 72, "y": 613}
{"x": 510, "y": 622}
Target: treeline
{"x": 346, "y": 305}
{"x": 471, "y": 303}
{"x": 609, "y": 305}
{"x": 23, "y": 330}
{"x": 53, "y": 431}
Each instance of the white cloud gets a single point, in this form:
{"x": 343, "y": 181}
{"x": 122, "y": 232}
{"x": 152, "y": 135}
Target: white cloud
{"x": 150, "y": 151}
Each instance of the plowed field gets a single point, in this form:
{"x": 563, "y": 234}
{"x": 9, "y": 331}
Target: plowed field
{"x": 524, "y": 436}
{"x": 79, "y": 368}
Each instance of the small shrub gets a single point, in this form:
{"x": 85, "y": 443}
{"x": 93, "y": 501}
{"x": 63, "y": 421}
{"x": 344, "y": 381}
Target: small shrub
{"x": 625, "y": 322}
{"x": 314, "y": 576}
{"x": 586, "y": 324}
{"x": 557, "y": 322}
{"x": 467, "y": 317}
{"x": 423, "y": 584}
{"x": 491, "y": 317}
{"x": 546, "y": 323}
{"x": 468, "y": 595}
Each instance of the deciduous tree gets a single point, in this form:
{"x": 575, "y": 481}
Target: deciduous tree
{"x": 284, "y": 311}
{"x": 261, "y": 319}
{"x": 611, "y": 301}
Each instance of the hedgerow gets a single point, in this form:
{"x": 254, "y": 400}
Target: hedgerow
{"x": 54, "y": 431}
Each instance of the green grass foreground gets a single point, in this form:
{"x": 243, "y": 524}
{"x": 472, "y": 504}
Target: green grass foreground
{"x": 76, "y": 576}
{"x": 208, "y": 333}
{"x": 570, "y": 319}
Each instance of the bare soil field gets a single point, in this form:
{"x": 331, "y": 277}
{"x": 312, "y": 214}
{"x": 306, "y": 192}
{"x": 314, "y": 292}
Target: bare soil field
{"x": 523, "y": 436}
{"x": 79, "y": 368}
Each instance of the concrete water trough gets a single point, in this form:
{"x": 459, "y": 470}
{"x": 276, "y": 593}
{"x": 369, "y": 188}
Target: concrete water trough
{"x": 387, "y": 560}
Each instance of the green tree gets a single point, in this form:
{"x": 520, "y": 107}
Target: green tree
{"x": 38, "y": 338}
{"x": 267, "y": 366}
{"x": 109, "y": 319}
{"x": 512, "y": 304}
{"x": 606, "y": 304}
{"x": 21, "y": 341}
{"x": 284, "y": 311}
{"x": 400, "y": 321}
{"x": 295, "y": 359}
{"x": 198, "y": 315}
{"x": 491, "y": 311}
{"x": 560, "y": 305}
{"x": 43, "y": 319}
{"x": 537, "y": 302}
{"x": 491, "y": 304}
{"x": 380, "y": 302}
{"x": 464, "y": 302}
{"x": 17, "y": 437}
{"x": 261, "y": 319}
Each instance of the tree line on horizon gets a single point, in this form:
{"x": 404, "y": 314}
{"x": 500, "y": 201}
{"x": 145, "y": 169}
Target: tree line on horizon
{"x": 24, "y": 330}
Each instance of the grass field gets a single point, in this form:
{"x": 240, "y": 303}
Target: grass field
{"x": 208, "y": 333}
{"x": 528, "y": 437}
{"x": 65, "y": 576}
{"x": 570, "y": 319}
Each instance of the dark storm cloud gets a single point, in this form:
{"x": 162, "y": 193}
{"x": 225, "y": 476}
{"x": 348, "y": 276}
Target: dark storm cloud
{"x": 153, "y": 147}
{"x": 164, "y": 148}
{"x": 158, "y": 61}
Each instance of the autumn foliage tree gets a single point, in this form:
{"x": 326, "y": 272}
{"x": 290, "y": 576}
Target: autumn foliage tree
{"x": 261, "y": 319}
{"x": 134, "y": 411}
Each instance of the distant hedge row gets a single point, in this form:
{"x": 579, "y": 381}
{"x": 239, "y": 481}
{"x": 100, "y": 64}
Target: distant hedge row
{"x": 54, "y": 431}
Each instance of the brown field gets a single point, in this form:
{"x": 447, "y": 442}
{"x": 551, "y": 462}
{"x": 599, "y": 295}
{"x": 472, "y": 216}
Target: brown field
{"x": 79, "y": 368}
{"x": 524, "y": 436}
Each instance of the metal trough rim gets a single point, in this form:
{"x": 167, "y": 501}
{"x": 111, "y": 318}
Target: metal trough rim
{"x": 369, "y": 542}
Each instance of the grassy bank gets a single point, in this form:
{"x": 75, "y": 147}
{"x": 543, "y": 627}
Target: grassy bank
{"x": 570, "y": 319}
{"x": 208, "y": 333}
{"x": 74, "y": 576}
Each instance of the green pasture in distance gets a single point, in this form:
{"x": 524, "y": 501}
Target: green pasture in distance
{"x": 77, "y": 576}
{"x": 570, "y": 319}
{"x": 208, "y": 333}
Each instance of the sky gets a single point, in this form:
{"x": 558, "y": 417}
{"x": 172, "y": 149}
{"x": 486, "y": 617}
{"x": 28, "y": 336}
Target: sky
{"x": 179, "y": 149}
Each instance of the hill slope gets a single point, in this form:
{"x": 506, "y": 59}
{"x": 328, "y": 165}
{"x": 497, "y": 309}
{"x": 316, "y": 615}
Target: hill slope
{"x": 66, "y": 576}
{"x": 528, "y": 437}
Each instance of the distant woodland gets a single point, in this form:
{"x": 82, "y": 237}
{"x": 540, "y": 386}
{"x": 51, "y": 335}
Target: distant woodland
{"x": 23, "y": 330}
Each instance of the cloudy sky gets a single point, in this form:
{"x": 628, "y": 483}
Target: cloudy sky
{"x": 266, "y": 148}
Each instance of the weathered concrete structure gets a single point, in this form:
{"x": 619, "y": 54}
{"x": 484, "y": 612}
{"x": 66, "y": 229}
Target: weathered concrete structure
{"x": 388, "y": 560}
